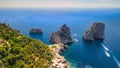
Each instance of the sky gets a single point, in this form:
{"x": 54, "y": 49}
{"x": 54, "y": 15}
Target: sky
{"x": 59, "y": 3}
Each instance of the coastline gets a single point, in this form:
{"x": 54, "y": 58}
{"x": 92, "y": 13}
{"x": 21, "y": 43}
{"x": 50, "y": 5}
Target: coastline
{"x": 76, "y": 21}
{"x": 58, "y": 61}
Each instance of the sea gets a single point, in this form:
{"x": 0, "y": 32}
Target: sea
{"x": 81, "y": 54}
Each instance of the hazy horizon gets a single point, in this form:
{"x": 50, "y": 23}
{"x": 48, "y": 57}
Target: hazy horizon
{"x": 59, "y": 4}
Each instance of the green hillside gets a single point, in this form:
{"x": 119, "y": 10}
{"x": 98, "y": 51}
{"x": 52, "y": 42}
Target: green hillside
{"x": 18, "y": 51}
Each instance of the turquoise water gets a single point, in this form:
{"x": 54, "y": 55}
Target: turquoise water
{"x": 81, "y": 54}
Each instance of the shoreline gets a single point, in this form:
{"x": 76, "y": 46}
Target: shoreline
{"x": 58, "y": 60}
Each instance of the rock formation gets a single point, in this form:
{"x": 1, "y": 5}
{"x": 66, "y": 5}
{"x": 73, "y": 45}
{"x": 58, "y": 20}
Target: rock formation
{"x": 35, "y": 31}
{"x": 55, "y": 38}
{"x": 58, "y": 61}
{"x": 61, "y": 39}
{"x": 95, "y": 32}
{"x": 62, "y": 36}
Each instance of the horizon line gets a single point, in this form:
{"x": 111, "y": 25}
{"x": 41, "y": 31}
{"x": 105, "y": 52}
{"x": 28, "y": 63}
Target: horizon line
{"x": 59, "y": 4}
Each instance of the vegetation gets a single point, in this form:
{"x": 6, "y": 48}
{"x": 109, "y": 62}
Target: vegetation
{"x": 20, "y": 51}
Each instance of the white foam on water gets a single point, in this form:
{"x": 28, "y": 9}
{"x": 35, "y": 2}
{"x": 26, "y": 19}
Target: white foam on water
{"x": 118, "y": 63}
{"x": 74, "y": 34}
{"x": 76, "y": 40}
{"x": 104, "y": 47}
{"x": 107, "y": 53}
{"x": 88, "y": 66}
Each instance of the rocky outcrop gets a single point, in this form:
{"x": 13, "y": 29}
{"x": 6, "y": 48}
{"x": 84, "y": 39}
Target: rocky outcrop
{"x": 62, "y": 36}
{"x": 58, "y": 60}
{"x": 35, "y": 31}
{"x": 61, "y": 39}
{"x": 55, "y": 38}
{"x": 95, "y": 32}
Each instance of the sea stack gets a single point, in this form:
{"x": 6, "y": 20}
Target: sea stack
{"x": 96, "y": 31}
{"x": 63, "y": 35}
{"x": 35, "y": 31}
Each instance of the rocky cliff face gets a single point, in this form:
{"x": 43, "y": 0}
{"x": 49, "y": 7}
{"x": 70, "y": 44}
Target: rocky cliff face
{"x": 61, "y": 39}
{"x": 62, "y": 36}
{"x": 58, "y": 61}
{"x": 95, "y": 32}
{"x": 55, "y": 38}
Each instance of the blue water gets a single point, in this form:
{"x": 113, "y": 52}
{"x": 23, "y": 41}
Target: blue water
{"x": 82, "y": 54}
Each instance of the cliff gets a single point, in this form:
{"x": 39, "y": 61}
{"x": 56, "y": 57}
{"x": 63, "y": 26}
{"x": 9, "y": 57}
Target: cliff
{"x": 61, "y": 39}
{"x": 63, "y": 35}
{"x": 96, "y": 31}
{"x": 58, "y": 61}
{"x": 19, "y": 51}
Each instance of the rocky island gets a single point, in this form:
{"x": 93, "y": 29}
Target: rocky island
{"x": 61, "y": 39}
{"x": 35, "y": 31}
{"x": 96, "y": 31}
{"x": 62, "y": 36}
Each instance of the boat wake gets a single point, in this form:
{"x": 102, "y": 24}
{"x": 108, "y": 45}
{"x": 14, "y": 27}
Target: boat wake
{"x": 118, "y": 63}
{"x": 76, "y": 40}
{"x": 104, "y": 47}
{"x": 88, "y": 66}
{"x": 107, "y": 50}
{"x": 107, "y": 53}
{"x": 74, "y": 34}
